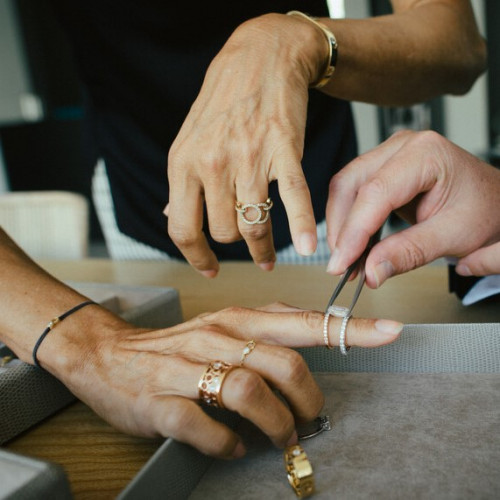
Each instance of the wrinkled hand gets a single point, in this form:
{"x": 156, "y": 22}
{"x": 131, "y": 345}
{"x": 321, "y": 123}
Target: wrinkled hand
{"x": 246, "y": 129}
{"x": 144, "y": 382}
{"x": 451, "y": 197}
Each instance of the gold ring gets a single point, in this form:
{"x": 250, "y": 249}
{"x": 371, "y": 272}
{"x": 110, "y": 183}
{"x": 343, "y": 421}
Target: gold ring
{"x": 247, "y": 350}
{"x": 299, "y": 471}
{"x": 262, "y": 210}
{"x": 210, "y": 384}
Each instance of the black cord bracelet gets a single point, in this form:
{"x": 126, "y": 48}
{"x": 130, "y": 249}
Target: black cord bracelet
{"x": 53, "y": 323}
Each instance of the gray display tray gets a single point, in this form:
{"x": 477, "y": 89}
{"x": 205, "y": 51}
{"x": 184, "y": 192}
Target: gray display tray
{"x": 415, "y": 419}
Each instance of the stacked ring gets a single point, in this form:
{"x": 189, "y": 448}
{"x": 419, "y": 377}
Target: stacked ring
{"x": 210, "y": 383}
{"x": 299, "y": 471}
{"x": 247, "y": 350}
{"x": 339, "y": 312}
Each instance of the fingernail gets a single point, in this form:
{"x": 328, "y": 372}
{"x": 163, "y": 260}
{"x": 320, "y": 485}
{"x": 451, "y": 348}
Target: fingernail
{"x": 388, "y": 326}
{"x": 239, "y": 450}
{"x": 333, "y": 262}
{"x": 266, "y": 266}
{"x": 211, "y": 273}
{"x": 463, "y": 270}
{"x": 382, "y": 271}
{"x": 293, "y": 439}
{"x": 307, "y": 244}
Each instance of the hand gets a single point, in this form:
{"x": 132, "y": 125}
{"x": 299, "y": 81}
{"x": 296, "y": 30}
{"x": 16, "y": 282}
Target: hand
{"x": 144, "y": 382}
{"x": 451, "y": 197}
{"x": 246, "y": 129}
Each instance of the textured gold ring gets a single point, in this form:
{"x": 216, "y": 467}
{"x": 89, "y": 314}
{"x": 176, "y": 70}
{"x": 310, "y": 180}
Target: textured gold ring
{"x": 262, "y": 211}
{"x": 299, "y": 471}
{"x": 210, "y": 384}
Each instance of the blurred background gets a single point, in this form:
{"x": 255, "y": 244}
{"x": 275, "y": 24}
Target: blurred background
{"x": 42, "y": 140}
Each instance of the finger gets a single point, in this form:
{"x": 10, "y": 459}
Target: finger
{"x": 258, "y": 236}
{"x": 379, "y": 196}
{"x": 412, "y": 248}
{"x": 286, "y": 370}
{"x": 296, "y": 198}
{"x": 283, "y": 368}
{"x": 220, "y": 202}
{"x": 246, "y": 392}
{"x": 185, "y": 421}
{"x": 185, "y": 227}
{"x": 482, "y": 262}
{"x": 242, "y": 390}
{"x": 344, "y": 185}
{"x": 301, "y": 328}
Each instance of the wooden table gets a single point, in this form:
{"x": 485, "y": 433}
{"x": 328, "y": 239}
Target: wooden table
{"x": 100, "y": 461}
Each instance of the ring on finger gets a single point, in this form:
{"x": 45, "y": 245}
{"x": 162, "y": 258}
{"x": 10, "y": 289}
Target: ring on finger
{"x": 210, "y": 383}
{"x": 250, "y": 346}
{"x": 339, "y": 312}
{"x": 262, "y": 210}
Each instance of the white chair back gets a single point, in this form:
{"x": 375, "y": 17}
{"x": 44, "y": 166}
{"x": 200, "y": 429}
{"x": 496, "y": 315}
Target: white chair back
{"x": 47, "y": 224}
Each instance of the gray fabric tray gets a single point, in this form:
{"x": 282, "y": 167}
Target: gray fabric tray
{"x": 24, "y": 478}
{"x": 417, "y": 419}
{"x": 393, "y": 436}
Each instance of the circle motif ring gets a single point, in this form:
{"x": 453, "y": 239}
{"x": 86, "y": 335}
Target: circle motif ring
{"x": 262, "y": 210}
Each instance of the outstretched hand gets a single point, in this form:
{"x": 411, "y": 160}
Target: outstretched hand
{"x": 145, "y": 382}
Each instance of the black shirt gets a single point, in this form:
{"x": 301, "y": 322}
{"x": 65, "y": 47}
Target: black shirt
{"x": 142, "y": 64}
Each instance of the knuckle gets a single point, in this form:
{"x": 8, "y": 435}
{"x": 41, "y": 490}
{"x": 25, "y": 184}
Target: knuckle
{"x": 228, "y": 316}
{"x": 213, "y": 163}
{"x": 256, "y": 232}
{"x": 312, "y": 320}
{"x": 342, "y": 181}
{"x": 427, "y": 137}
{"x": 248, "y": 386}
{"x": 295, "y": 368}
{"x": 372, "y": 189}
{"x": 412, "y": 255}
{"x": 182, "y": 237}
{"x": 225, "y": 235}
{"x": 292, "y": 183}
{"x": 402, "y": 133}
{"x": 179, "y": 418}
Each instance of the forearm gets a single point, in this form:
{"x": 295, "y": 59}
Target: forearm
{"x": 29, "y": 299}
{"x": 424, "y": 49}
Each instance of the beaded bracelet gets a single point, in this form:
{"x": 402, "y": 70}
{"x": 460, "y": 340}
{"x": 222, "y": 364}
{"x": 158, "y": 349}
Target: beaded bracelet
{"x": 52, "y": 323}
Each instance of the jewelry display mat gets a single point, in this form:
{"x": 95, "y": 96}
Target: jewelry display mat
{"x": 417, "y": 418}
{"x": 428, "y": 435}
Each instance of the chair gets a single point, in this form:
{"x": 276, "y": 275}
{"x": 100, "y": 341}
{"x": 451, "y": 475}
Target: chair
{"x": 47, "y": 224}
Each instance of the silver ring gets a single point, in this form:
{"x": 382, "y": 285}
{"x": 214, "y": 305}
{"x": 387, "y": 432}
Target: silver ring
{"x": 261, "y": 208}
{"x": 339, "y": 312}
{"x": 343, "y": 327}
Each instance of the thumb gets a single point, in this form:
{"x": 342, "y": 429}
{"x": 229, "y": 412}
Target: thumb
{"x": 404, "y": 251}
{"x": 482, "y": 262}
